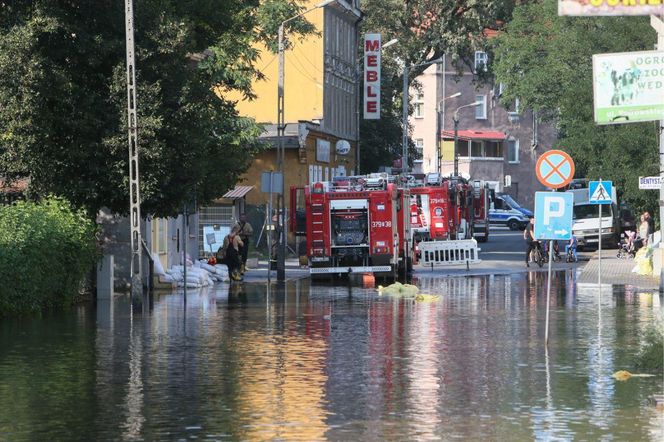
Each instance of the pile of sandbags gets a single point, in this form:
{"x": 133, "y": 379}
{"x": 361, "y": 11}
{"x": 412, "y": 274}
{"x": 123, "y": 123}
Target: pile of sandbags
{"x": 200, "y": 274}
{"x": 643, "y": 260}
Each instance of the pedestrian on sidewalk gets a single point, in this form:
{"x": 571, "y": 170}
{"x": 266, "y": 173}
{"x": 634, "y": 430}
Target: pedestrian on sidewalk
{"x": 644, "y": 229}
{"x": 245, "y": 231}
{"x": 531, "y": 242}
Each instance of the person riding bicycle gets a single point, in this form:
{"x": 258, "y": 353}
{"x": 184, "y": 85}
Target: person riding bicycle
{"x": 570, "y": 249}
{"x": 531, "y": 242}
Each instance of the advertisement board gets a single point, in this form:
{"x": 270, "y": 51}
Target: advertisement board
{"x": 628, "y": 87}
{"x": 610, "y": 7}
{"x": 372, "y": 45}
{"x": 649, "y": 183}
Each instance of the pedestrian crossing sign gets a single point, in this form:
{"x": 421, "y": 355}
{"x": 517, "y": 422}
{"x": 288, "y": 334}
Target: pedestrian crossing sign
{"x": 599, "y": 192}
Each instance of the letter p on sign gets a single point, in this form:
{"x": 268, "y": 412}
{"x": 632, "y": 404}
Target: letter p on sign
{"x": 554, "y": 207}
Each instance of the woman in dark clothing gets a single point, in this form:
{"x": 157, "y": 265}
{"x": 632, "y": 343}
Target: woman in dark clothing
{"x": 233, "y": 257}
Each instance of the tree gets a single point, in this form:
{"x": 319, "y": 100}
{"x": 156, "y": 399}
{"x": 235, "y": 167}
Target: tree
{"x": 63, "y": 111}
{"x": 546, "y": 61}
{"x": 426, "y": 30}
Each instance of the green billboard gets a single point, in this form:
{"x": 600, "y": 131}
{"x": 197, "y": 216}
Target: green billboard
{"x": 628, "y": 87}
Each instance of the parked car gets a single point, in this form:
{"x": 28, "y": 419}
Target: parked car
{"x": 507, "y": 212}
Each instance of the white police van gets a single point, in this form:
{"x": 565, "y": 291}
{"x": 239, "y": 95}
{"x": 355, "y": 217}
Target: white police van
{"x": 507, "y": 212}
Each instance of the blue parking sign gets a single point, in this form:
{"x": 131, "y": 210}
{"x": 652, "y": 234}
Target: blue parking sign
{"x": 553, "y": 215}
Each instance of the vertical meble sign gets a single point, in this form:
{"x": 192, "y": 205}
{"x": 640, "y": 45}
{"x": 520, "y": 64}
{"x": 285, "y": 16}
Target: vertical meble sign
{"x": 372, "y": 76}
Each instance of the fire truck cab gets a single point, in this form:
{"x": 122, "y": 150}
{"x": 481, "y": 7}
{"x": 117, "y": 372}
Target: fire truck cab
{"x": 354, "y": 225}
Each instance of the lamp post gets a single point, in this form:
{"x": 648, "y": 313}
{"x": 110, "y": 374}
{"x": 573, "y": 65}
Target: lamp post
{"x": 439, "y": 127}
{"x": 456, "y": 134}
{"x": 281, "y": 153}
{"x": 404, "y": 122}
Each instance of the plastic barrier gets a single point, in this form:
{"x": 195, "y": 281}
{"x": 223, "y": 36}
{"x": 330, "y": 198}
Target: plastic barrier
{"x": 463, "y": 251}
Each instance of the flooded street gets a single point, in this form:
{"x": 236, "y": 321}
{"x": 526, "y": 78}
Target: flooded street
{"x": 313, "y": 362}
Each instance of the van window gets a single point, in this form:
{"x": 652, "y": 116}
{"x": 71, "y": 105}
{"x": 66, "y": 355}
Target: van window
{"x": 498, "y": 204}
{"x": 589, "y": 211}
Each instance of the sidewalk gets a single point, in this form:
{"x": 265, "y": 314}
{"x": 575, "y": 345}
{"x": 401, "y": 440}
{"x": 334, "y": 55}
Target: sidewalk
{"x": 615, "y": 271}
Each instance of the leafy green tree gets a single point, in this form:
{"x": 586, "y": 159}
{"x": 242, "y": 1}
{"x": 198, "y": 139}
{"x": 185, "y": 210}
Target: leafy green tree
{"x": 546, "y": 61}
{"x": 426, "y": 29}
{"x": 63, "y": 97}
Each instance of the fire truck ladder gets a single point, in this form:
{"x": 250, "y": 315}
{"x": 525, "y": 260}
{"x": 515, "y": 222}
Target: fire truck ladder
{"x": 132, "y": 128}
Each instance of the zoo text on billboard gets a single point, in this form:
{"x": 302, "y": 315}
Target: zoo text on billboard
{"x": 372, "y": 47}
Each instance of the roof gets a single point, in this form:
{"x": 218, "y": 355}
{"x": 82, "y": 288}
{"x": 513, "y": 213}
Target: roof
{"x": 18, "y": 186}
{"x": 476, "y": 135}
{"x": 291, "y": 140}
{"x": 238, "y": 192}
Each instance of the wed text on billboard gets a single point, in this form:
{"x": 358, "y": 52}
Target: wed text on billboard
{"x": 628, "y": 87}
{"x": 610, "y": 7}
{"x": 372, "y": 46}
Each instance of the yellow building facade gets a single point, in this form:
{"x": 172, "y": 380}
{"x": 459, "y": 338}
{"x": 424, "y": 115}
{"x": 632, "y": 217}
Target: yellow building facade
{"x": 321, "y": 102}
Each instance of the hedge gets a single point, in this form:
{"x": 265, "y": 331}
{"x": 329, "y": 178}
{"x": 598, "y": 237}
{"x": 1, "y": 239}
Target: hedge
{"x": 46, "y": 251}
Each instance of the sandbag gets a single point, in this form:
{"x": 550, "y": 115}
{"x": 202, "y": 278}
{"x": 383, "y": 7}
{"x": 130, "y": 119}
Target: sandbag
{"x": 157, "y": 267}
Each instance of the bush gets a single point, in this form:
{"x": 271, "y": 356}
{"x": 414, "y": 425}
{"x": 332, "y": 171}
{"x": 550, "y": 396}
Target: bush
{"x": 651, "y": 354}
{"x": 46, "y": 250}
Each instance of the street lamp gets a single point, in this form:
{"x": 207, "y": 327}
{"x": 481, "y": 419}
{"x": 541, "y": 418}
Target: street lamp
{"x": 404, "y": 140}
{"x": 281, "y": 128}
{"x": 456, "y": 134}
{"x": 439, "y": 127}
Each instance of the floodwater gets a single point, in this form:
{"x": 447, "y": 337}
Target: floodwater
{"x": 310, "y": 363}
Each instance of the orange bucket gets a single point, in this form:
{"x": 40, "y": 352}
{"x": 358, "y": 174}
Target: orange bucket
{"x": 368, "y": 280}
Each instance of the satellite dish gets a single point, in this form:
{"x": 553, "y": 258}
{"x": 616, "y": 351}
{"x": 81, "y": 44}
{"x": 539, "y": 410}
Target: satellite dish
{"x": 343, "y": 147}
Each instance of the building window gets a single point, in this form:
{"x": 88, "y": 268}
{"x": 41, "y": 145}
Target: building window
{"x": 476, "y": 149}
{"x": 480, "y": 109}
{"x": 481, "y": 61}
{"x": 419, "y": 147}
{"x": 513, "y": 151}
{"x": 418, "y": 106}
{"x": 493, "y": 149}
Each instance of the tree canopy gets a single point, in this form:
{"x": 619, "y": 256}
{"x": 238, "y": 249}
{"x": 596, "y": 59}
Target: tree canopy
{"x": 63, "y": 97}
{"x": 426, "y": 29}
{"x": 546, "y": 61}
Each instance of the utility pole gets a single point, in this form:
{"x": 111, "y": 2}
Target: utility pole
{"x": 658, "y": 24}
{"x": 132, "y": 128}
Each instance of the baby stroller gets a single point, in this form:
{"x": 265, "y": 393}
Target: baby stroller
{"x": 629, "y": 245}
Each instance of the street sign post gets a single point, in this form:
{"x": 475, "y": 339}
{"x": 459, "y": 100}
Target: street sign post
{"x": 555, "y": 169}
{"x": 599, "y": 192}
{"x": 553, "y": 221}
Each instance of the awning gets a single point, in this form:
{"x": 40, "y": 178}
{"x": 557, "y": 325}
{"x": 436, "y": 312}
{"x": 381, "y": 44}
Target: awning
{"x": 238, "y": 192}
{"x": 476, "y": 135}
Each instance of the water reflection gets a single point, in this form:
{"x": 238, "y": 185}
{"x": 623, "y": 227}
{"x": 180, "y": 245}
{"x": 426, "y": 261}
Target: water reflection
{"x": 302, "y": 362}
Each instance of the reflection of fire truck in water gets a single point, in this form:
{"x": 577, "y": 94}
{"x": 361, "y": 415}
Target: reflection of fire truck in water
{"x": 373, "y": 223}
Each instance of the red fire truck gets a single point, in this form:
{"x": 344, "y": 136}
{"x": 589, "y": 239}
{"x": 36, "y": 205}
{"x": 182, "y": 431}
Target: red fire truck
{"x": 371, "y": 223}
{"x": 449, "y": 209}
{"x": 353, "y": 225}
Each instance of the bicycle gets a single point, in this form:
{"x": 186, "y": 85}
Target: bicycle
{"x": 537, "y": 255}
